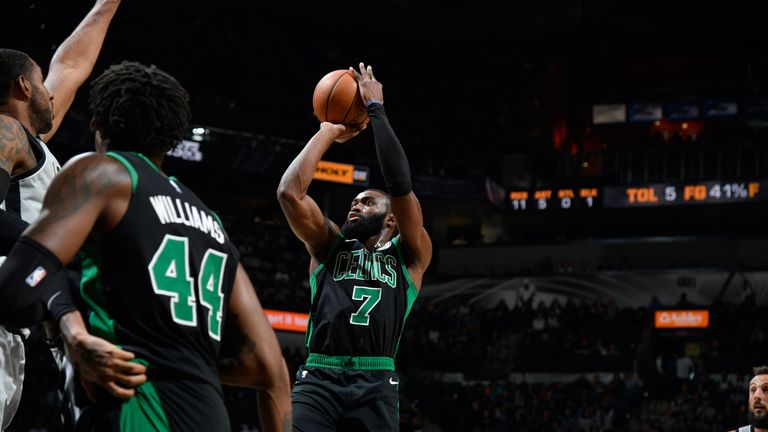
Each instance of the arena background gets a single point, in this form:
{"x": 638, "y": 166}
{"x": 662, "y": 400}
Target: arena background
{"x": 583, "y": 166}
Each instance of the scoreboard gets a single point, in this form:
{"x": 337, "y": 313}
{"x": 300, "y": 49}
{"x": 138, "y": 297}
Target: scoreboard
{"x": 648, "y": 195}
{"x": 562, "y": 199}
{"x": 666, "y": 194}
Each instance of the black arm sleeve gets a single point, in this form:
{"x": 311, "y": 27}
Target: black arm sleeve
{"x": 60, "y": 297}
{"x": 27, "y": 277}
{"x": 394, "y": 164}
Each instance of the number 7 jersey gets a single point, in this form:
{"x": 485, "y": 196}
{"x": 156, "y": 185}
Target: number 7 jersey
{"x": 360, "y": 301}
{"x": 159, "y": 285}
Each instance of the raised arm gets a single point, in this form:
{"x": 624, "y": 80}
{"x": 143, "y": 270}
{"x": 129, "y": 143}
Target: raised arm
{"x": 74, "y": 60}
{"x": 397, "y": 175}
{"x": 303, "y": 214}
{"x": 259, "y": 361}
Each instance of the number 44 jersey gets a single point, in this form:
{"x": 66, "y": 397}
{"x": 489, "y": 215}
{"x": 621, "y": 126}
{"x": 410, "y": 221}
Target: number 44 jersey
{"x": 159, "y": 285}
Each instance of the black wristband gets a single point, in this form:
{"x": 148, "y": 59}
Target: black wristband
{"x": 26, "y": 275}
{"x": 59, "y": 298}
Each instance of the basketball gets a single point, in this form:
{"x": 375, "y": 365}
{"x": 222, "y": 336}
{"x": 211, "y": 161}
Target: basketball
{"x": 337, "y": 100}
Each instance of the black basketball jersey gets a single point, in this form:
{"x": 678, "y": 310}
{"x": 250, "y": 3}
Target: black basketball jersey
{"x": 159, "y": 284}
{"x": 360, "y": 301}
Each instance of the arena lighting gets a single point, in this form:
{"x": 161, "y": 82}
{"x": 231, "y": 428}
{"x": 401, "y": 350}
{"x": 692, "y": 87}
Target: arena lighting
{"x": 198, "y": 133}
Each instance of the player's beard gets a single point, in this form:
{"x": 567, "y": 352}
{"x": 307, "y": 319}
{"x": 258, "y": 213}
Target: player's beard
{"x": 40, "y": 112}
{"x": 364, "y": 227}
{"x": 758, "y": 420}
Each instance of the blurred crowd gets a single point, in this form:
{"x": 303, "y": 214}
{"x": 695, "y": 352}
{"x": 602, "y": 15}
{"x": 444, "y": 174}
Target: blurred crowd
{"x": 492, "y": 343}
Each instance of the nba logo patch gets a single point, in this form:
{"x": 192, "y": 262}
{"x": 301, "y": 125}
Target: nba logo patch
{"x": 36, "y": 276}
{"x": 304, "y": 374}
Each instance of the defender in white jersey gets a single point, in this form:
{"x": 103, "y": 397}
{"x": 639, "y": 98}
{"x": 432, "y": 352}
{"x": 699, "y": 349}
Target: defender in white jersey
{"x": 758, "y": 402}
{"x": 31, "y": 109}
{"x": 26, "y": 190}
{"x": 24, "y": 199}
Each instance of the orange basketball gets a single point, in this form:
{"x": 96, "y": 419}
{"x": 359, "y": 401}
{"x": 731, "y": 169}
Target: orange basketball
{"x": 337, "y": 100}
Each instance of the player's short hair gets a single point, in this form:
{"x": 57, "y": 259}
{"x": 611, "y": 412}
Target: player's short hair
{"x": 12, "y": 65}
{"x": 760, "y": 370}
{"x": 140, "y": 108}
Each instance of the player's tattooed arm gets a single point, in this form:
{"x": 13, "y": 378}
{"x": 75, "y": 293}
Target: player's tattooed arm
{"x": 99, "y": 361}
{"x": 258, "y": 361}
{"x": 85, "y": 200}
{"x": 233, "y": 346}
{"x": 237, "y": 370}
{"x": 14, "y": 148}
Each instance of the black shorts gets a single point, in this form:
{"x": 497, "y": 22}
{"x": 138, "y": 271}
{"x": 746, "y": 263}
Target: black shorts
{"x": 327, "y": 399}
{"x": 160, "y": 406}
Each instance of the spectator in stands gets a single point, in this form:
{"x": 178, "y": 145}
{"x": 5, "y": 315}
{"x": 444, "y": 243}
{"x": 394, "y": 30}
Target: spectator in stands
{"x": 525, "y": 294}
{"x": 684, "y": 367}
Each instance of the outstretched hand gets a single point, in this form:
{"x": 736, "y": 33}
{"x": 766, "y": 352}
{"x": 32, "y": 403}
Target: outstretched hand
{"x": 343, "y": 133}
{"x": 370, "y": 89}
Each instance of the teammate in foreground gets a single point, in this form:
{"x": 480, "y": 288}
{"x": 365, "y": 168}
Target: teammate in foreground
{"x": 160, "y": 277}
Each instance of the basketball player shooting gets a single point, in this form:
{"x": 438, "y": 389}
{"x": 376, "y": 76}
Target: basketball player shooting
{"x": 364, "y": 279}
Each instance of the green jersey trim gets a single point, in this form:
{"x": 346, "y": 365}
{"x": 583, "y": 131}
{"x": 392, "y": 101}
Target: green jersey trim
{"x": 131, "y": 170}
{"x": 144, "y": 411}
{"x": 313, "y": 282}
{"x": 218, "y": 219}
{"x": 412, "y": 293}
{"x": 351, "y": 363}
{"x": 92, "y": 292}
{"x": 149, "y": 162}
